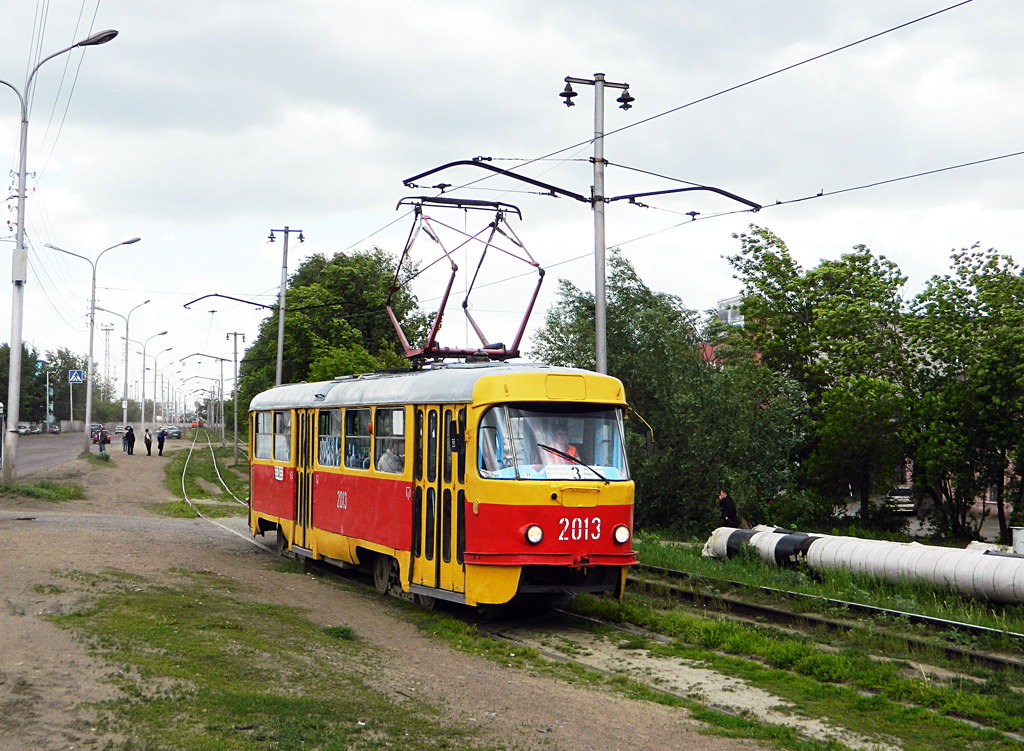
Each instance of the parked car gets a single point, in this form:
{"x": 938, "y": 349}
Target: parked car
{"x": 95, "y": 429}
{"x": 24, "y": 428}
{"x": 35, "y": 429}
{"x": 54, "y": 427}
{"x": 119, "y": 430}
{"x": 171, "y": 431}
{"x": 901, "y": 499}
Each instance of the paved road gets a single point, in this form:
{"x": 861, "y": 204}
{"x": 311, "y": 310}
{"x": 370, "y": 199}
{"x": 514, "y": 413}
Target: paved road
{"x": 36, "y": 452}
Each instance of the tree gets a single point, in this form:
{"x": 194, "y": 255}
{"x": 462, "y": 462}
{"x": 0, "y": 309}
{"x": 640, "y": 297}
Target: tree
{"x": 335, "y": 318}
{"x": 836, "y": 331}
{"x": 33, "y": 387}
{"x": 968, "y": 335}
{"x": 61, "y": 362}
{"x": 719, "y": 422}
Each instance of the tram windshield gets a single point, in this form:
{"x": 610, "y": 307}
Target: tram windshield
{"x": 536, "y": 442}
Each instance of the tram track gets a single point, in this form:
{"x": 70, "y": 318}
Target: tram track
{"x": 808, "y": 620}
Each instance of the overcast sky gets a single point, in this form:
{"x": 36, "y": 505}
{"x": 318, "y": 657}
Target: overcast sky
{"x": 204, "y": 125}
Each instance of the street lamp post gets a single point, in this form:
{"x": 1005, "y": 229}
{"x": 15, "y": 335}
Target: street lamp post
{"x": 155, "y": 392}
{"x": 597, "y": 201}
{"x": 127, "y": 320}
{"x": 92, "y": 330}
{"x": 143, "y": 427}
{"x": 19, "y": 262}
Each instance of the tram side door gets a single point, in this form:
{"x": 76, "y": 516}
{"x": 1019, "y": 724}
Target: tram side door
{"x": 439, "y": 498}
{"x": 304, "y": 478}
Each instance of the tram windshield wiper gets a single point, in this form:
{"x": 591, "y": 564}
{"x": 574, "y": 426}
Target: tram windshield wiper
{"x": 574, "y": 460}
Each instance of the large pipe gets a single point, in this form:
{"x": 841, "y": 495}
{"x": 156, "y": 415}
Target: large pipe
{"x": 976, "y": 573}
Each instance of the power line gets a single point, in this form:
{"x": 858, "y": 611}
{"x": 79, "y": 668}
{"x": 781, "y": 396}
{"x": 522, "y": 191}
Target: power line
{"x": 787, "y": 68}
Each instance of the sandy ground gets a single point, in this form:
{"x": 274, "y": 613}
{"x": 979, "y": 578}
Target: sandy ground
{"x": 45, "y": 675}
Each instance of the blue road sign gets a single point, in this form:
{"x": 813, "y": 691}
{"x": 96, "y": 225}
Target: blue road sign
{"x": 75, "y": 376}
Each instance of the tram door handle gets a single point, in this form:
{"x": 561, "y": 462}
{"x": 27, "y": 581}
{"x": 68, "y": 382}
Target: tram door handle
{"x": 456, "y": 438}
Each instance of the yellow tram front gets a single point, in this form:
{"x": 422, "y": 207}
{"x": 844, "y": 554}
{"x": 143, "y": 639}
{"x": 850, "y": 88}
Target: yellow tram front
{"x": 549, "y": 498}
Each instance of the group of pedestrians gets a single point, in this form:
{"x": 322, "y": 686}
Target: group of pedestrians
{"x": 128, "y": 441}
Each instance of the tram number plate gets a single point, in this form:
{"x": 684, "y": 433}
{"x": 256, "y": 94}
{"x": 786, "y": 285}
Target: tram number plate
{"x": 579, "y": 528}
{"x": 279, "y": 473}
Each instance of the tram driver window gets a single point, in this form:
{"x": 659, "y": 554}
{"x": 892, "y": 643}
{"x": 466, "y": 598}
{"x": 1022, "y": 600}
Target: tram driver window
{"x": 264, "y": 442}
{"x": 495, "y": 450}
{"x": 389, "y": 440}
{"x": 282, "y": 436}
{"x": 329, "y": 438}
{"x": 357, "y": 438}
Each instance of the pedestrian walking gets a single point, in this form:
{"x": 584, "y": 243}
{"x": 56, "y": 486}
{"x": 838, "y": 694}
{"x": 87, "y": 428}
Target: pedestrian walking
{"x": 730, "y": 516}
{"x": 148, "y": 440}
{"x": 104, "y": 440}
{"x": 129, "y": 436}
{"x": 160, "y": 441}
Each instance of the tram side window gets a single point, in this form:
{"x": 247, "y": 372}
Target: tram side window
{"x": 357, "y": 438}
{"x": 264, "y": 445}
{"x": 329, "y": 438}
{"x": 389, "y": 434}
{"x": 282, "y": 436}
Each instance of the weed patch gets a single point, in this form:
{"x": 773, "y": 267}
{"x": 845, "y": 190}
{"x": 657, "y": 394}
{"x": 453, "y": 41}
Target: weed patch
{"x": 45, "y": 490}
{"x": 200, "y": 670}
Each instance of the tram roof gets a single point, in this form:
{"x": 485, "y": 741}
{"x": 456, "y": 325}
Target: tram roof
{"x": 446, "y": 383}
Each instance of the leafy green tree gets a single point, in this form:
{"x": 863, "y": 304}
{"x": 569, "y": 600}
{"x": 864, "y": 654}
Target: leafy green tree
{"x": 835, "y": 330}
{"x": 335, "y": 320}
{"x": 968, "y": 336}
{"x": 722, "y": 422}
{"x": 60, "y": 363}
{"x": 32, "y": 406}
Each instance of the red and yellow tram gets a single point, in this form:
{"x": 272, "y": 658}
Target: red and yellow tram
{"x": 469, "y": 482}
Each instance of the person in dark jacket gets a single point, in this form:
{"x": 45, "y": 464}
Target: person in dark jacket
{"x": 148, "y": 440}
{"x": 730, "y": 516}
{"x": 130, "y": 437}
{"x": 160, "y": 436}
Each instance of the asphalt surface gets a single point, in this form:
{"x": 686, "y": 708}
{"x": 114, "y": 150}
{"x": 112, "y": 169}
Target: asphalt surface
{"x": 37, "y": 452}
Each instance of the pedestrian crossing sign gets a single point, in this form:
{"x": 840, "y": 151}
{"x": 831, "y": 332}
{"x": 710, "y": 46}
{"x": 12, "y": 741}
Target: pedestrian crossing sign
{"x": 74, "y": 376}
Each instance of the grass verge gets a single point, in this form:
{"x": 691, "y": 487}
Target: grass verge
{"x": 198, "y": 669}
{"x": 44, "y": 490}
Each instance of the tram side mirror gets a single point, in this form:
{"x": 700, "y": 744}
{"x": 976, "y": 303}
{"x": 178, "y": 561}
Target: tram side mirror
{"x": 456, "y": 438}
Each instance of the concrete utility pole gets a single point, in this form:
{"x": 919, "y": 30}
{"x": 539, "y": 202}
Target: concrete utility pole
{"x": 19, "y": 263}
{"x": 234, "y": 400}
{"x": 597, "y": 202}
{"x": 282, "y": 298}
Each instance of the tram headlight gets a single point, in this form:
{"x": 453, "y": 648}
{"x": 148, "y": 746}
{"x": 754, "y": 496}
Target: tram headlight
{"x": 534, "y": 534}
{"x": 621, "y": 534}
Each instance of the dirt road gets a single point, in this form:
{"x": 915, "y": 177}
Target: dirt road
{"x": 45, "y": 676}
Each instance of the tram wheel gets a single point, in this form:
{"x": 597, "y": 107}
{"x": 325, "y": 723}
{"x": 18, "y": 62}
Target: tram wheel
{"x": 427, "y": 602}
{"x": 382, "y": 573}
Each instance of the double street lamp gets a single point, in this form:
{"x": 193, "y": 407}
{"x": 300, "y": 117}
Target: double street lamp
{"x": 19, "y": 262}
{"x": 92, "y": 330}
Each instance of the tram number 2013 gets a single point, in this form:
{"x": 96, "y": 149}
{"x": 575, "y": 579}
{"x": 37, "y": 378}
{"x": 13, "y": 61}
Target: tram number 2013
{"x": 579, "y": 528}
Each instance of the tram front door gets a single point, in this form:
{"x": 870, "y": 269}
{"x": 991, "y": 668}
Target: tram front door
{"x": 439, "y": 503}
{"x": 304, "y": 480}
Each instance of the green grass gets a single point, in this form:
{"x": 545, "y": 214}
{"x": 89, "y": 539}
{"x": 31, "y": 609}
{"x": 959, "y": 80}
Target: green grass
{"x": 200, "y": 467}
{"x": 848, "y": 687}
{"x": 918, "y": 598}
{"x": 198, "y": 669}
{"x": 45, "y": 490}
{"x": 184, "y": 510}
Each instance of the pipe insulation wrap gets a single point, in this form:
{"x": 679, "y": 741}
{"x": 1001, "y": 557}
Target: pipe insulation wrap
{"x": 973, "y": 572}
